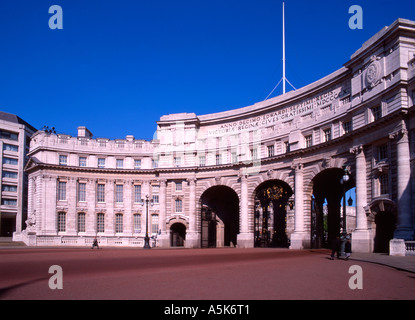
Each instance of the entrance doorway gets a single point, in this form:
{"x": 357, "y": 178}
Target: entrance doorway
{"x": 219, "y": 217}
{"x": 271, "y": 199}
{"x": 177, "y": 235}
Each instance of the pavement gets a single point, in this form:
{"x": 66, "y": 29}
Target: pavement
{"x": 400, "y": 263}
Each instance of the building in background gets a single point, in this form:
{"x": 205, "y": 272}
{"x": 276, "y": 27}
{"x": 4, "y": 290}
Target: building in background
{"x": 15, "y": 136}
{"x": 255, "y": 176}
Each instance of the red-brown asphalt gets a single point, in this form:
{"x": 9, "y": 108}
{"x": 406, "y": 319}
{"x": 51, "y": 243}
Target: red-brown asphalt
{"x": 205, "y": 274}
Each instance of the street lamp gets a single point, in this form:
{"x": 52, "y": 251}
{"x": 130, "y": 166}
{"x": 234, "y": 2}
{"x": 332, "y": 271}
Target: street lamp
{"x": 146, "y": 238}
{"x": 343, "y": 181}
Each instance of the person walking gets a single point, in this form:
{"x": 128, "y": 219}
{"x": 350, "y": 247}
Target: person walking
{"x": 335, "y": 248}
{"x": 95, "y": 243}
{"x": 348, "y": 249}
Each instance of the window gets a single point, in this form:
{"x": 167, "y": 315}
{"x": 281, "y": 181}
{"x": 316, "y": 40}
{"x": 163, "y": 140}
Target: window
{"x": 155, "y": 163}
{"x": 9, "y": 174}
{"x": 100, "y": 222}
{"x": 286, "y": 146}
{"x": 101, "y": 163}
{"x": 155, "y": 192}
{"x": 82, "y": 161}
{"x": 61, "y": 221}
{"x": 254, "y": 154}
{"x": 118, "y": 223}
{"x": 81, "y": 191}
{"x": 9, "y": 202}
{"x": 177, "y": 161}
{"x": 137, "y": 193}
{"x": 120, "y": 163}
{"x": 81, "y": 222}
{"x": 11, "y": 161}
{"x": 9, "y": 188}
{"x": 63, "y": 160}
{"x": 179, "y": 186}
{"x": 137, "y": 164}
{"x": 154, "y": 223}
{"x": 384, "y": 184}
{"x": 376, "y": 113}
{"x": 119, "y": 188}
{"x": 101, "y": 193}
{"x": 270, "y": 150}
{"x": 137, "y": 223}
{"x": 61, "y": 191}
{"x": 234, "y": 157}
{"x": 202, "y": 161}
{"x": 347, "y": 127}
{"x": 308, "y": 141}
{"x": 326, "y": 135}
{"x": 218, "y": 159}
{"x": 179, "y": 205}
{"x": 9, "y": 135}
{"x": 10, "y": 147}
{"x": 382, "y": 152}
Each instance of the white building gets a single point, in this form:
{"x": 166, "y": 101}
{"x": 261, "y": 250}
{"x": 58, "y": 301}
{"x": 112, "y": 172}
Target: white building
{"x": 14, "y": 145}
{"x": 255, "y": 176}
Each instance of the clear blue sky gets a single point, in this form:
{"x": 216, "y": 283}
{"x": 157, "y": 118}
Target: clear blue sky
{"x": 118, "y": 66}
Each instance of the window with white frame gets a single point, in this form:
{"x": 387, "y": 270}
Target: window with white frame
{"x": 120, "y": 163}
{"x": 81, "y": 222}
{"x": 63, "y": 160}
{"x": 327, "y": 135}
{"x": 82, "y": 161}
{"x": 81, "y": 191}
{"x": 177, "y": 161}
{"x": 154, "y": 223}
{"x": 101, "y": 163}
{"x": 61, "y": 191}
{"x": 179, "y": 206}
{"x": 308, "y": 141}
{"x": 137, "y": 223}
{"x": 270, "y": 150}
{"x": 155, "y": 190}
{"x": 119, "y": 188}
{"x": 137, "y": 193}
{"x": 218, "y": 159}
{"x": 137, "y": 164}
{"x": 118, "y": 223}
{"x": 61, "y": 222}
{"x": 202, "y": 161}
{"x": 101, "y": 193}
{"x": 100, "y": 222}
{"x": 179, "y": 185}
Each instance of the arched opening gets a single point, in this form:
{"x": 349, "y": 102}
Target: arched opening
{"x": 177, "y": 234}
{"x": 219, "y": 217}
{"x": 383, "y": 218}
{"x": 327, "y": 206}
{"x": 271, "y": 198}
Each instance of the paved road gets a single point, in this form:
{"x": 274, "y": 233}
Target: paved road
{"x": 219, "y": 274}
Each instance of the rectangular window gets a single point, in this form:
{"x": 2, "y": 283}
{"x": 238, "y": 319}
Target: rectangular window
{"x": 137, "y": 164}
{"x": 308, "y": 141}
{"x": 9, "y": 135}
{"x": 82, "y": 161}
{"x": 81, "y": 191}
{"x": 154, "y": 223}
{"x": 202, "y": 161}
{"x": 63, "y": 160}
{"x": 120, "y": 163}
{"x": 101, "y": 163}
{"x": 10, "y": 147}
{"x": 137, "y": 223}
{"x": 384, "y": 184}
{"x": 382, "y": 152}
{"x": 155, "y": 194}
{"x": 270, "y": 151}
{"x": 376, "y": 113}
{"x": 11, "y": 161}
{"x": 9, "y": 174}
{"x": 101, "y": 193}
{"x": 118, "y": 223}
{"x": 179, "y": 205}
{"x": 137, "y": 193}
{"x": 61, "y": 191}
{"x": 234, "y": 157}
{"x": 61, "y": 221}
{"x": 81, "y": 222}
{"x": 119, "y": 188}
{"x": 327, "y": 135}
{"x": 254, "y": 154}
{"x": 155, "y": 163}
{"x": 179, "y": 186}
{"x": 218, "y": 159}
{"x": 9, "y": 188}
{"x": 100, "y": 222}
{"x": 347, "y": 127}
{"x": 9, "y": 202}
{"x": 177, "y": 161}
{"x": 286, "y": 146}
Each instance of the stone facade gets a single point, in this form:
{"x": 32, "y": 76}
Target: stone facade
{"x": 254, "y": 176}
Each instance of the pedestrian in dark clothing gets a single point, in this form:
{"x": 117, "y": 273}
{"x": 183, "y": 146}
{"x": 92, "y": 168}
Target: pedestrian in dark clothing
{"x": 335, "y": 247}
{"x": 348, "y": 249}
{"x": 95, "y": 243}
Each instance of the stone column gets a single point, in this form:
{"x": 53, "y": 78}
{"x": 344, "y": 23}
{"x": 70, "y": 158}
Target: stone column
{"x": 192, "y": 236}
{"x": 71, "y": 198}
{"x": 299, "y": 237}
{"x": 404, "y": 227}
{"x": 361, "y": 241}
{"x": 163, "y": 238}
{"x": 245, "y": 239}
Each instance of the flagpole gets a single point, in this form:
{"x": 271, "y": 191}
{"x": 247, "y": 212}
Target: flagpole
{"x": 283, "y": 48}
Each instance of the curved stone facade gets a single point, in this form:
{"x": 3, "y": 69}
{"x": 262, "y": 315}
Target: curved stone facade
{"x": 255, "y": 176}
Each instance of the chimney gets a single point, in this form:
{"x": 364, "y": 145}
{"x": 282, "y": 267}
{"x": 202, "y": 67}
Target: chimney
{"x": 83, "y": 132}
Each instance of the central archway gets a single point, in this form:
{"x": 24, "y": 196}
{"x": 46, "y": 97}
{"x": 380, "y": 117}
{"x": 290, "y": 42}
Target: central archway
{"x": 219, "y": 217}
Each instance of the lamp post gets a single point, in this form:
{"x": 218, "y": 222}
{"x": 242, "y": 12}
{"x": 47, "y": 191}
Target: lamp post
{"x": 146, "y": 238}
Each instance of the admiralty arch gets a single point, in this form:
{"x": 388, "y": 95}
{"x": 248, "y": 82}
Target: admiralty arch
{"x": 270, "y": 174}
